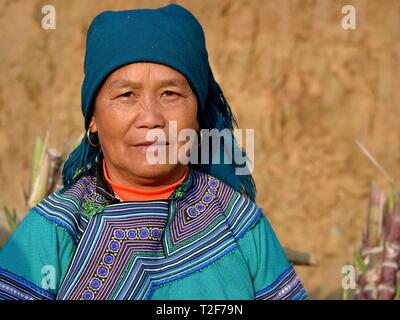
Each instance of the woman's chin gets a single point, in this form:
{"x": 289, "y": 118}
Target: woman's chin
{"x": 154, "y": 171}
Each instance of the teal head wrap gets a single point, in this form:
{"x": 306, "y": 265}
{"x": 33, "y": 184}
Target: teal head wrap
{"x": 171, "y": 36}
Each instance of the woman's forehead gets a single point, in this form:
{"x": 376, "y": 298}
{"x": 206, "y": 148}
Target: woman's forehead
{"x": 136, "y": 73}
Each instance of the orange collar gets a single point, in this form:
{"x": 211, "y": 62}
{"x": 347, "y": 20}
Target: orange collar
{"x": 133, "y": 194}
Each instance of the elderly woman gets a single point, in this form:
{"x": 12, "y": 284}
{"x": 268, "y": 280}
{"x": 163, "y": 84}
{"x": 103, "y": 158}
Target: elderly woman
{"x": 125, "y": 228}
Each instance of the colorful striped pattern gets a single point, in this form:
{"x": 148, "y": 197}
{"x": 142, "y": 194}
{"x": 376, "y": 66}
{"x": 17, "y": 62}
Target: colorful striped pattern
{"x": 198, "y": 228}
{"x": 286, "y": 286}
{"x": 65, "y": 207}
{"x": 13, "y": 287}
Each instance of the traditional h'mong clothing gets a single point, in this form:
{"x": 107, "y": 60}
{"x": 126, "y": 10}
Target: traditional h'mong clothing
{"x": 201, "y": 238}
{"x": 207, "y": 241}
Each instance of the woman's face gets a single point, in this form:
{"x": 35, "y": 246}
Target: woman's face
{"x": 133, "y": 100}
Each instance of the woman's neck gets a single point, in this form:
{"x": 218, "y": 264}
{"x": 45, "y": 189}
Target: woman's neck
{"x": 129, "y": 193}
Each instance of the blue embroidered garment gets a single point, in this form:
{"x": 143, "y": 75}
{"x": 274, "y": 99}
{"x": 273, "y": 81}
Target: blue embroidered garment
{"x": 207, "y": 241}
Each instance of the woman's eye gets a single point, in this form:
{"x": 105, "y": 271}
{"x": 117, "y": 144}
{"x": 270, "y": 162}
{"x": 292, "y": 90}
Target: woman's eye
{"x": 127, "y": 94}
{"x": 169, "y": 93}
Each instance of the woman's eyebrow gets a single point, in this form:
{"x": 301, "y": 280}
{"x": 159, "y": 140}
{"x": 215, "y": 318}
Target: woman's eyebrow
{"x": 173, "y": 82}
{"x": 120, "y": 83}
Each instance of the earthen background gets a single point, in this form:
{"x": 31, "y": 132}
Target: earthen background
{"x": 306, "y": 86}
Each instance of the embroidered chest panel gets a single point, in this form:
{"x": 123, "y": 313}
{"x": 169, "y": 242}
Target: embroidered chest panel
{"x": 127, "y": 249}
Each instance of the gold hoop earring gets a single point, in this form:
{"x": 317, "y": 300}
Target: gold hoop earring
{"x": 90, "y": 141}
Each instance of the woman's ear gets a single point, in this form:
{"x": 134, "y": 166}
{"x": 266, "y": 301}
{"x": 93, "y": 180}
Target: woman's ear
{"x": 92, "y": 125}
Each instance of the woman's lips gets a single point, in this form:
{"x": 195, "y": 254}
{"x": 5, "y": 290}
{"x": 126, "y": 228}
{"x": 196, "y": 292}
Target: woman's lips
{"x": 147, "y": 144}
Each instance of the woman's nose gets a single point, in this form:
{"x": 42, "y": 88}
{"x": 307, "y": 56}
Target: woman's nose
{"x": 150, "y": 115}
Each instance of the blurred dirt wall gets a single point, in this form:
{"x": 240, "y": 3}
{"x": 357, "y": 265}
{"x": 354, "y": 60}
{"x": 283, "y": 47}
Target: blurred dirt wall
{"x": 308, "y": 87}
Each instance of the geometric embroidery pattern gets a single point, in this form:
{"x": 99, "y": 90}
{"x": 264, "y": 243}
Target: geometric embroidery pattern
{"x": 286, "y": 286}
{"x": 130, "y": 248}
{"x": 13, "y": 287}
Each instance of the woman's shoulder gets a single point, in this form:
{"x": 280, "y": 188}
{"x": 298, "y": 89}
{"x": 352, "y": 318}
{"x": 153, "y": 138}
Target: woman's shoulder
{"x": 64, "y": 206}
{"x": 240, "y": 212}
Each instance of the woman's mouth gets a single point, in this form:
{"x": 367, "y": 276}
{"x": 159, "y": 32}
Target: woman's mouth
{"x": 146, "y": 144}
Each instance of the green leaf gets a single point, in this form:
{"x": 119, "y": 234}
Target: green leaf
{"x": 39, "y": 190}
{"x": 391, "y": 197}
{"x": 397, "y": 296}
{"x": 360, "y": 261}
{"x": 37, "y": 155}
{"x": 346, "y": 294}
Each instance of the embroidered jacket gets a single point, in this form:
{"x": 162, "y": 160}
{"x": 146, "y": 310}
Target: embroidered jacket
{"x": 206, "y": 242}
